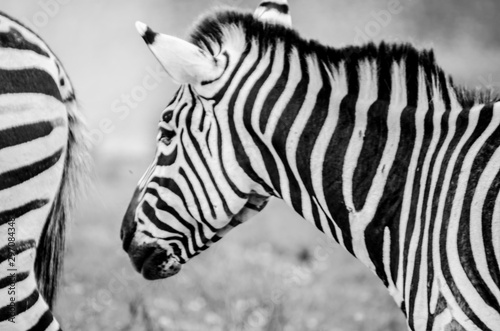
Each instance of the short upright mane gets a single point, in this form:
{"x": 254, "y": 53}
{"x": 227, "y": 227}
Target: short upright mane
{"x": 212, "y": 30}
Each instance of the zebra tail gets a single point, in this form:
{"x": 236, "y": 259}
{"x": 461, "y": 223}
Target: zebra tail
{"x": 50, "y": 249}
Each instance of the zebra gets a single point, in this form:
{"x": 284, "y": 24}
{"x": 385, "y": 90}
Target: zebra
{"x": 373, "y": 144}
{"x": 43, "y": 157}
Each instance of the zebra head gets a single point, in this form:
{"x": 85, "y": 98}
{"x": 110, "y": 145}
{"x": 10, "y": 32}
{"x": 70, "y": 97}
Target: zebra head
{"x": 197, "y": 187}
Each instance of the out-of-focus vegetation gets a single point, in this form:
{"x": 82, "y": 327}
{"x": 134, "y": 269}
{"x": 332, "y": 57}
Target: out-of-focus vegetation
{"x": 273, "y": 273}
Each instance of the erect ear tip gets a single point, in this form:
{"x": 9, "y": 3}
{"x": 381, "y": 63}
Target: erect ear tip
{"x": 145, "y": 31}
{"x": 141, "y": 27}
{"x": 274, "y": 11}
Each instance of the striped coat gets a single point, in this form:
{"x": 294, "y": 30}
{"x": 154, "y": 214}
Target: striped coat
{"x": 42, "y": 154}
{"x": 374, "y": 145}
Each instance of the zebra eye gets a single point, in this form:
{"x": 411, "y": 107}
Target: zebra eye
{"x": 167, "y": 117}
{"x": 167, "y": 132}
{"x": 166, "y": 136}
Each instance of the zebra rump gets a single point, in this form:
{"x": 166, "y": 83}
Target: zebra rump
{"x": 50, "y": 250}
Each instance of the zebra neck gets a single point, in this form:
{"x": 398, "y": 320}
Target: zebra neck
{"x": 338, "y": 139}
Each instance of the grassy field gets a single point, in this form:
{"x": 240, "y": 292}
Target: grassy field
{"x": 277, "y": 272}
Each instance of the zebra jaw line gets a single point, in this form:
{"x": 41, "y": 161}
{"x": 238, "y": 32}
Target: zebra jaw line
{"x": 372, "y": 144}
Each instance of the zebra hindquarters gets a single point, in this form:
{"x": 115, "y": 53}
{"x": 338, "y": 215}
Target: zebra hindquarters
{"x": 33, "y": 144}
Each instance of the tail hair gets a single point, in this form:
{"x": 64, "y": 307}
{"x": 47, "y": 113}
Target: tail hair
{"x": 50, "y": 250}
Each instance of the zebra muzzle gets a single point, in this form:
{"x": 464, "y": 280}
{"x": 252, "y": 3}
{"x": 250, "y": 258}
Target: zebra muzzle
{"x": 152, "y": 261}
{"x": 159, "y": 265}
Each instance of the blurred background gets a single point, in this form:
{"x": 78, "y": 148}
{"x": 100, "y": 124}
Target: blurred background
{"x": 276, "y": 272}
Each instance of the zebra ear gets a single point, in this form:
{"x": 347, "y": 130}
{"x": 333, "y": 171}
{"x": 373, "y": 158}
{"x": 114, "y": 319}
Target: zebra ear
{"x": 183, "y": 61}
{"x": 274, "y": 11}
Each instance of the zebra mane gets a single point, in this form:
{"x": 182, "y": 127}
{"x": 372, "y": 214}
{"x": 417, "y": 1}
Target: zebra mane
{"x": 469, "y": 97}
{"x": 213, "y": 30}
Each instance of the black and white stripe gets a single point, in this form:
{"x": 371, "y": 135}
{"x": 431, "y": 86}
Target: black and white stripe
{"x": 42, "y": 151}
{"x": 373, "y": 144}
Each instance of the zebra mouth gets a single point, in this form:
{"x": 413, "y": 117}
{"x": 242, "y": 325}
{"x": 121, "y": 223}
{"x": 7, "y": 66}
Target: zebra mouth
{"x": 159, "y": 265}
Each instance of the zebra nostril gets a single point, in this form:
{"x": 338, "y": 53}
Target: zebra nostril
{"x": 129, "y": 226}
{"x": 122, "y": 233}
{"x": 127, "y": 239}
{"x": 127, "y": 231}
